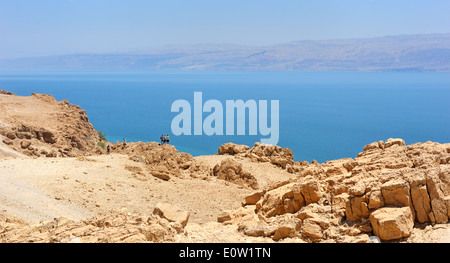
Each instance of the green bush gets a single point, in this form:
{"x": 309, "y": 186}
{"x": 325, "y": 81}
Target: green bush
{"x": 102, "y": 145}
{"x": 102, "y": 135}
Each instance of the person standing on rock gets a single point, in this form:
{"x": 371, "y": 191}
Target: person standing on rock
{"x": 167, "y": 138}
{"x": 162, "y": 139}
{"x": 108, "y": 149}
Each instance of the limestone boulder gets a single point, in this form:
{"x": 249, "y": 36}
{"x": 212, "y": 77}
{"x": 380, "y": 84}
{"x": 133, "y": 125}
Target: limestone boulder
{"x": 262, "y": 230}
{"x": 172, "y": 213}
{"x": 311, "y": 191}
{"x": 290, "y": 198}
{"x": 356, "y": 208}
{"x": 311, "y": 229}
{"x": 375, "y": 199}
{"x": 390, "y": 223}
{"x": 253, "y": 198}
{"x": 285, "y": 199}
{"x": 224, "y": 217}
{"x": 286, "y": 229}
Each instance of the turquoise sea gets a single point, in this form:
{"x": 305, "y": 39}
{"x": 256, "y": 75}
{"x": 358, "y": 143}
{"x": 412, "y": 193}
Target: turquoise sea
{"x": 323, "y": 115}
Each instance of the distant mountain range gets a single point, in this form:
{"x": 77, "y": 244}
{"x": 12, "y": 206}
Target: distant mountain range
{"x": 429, "y": 52}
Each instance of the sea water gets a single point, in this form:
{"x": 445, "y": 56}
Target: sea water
{"x": 322, "y": 115}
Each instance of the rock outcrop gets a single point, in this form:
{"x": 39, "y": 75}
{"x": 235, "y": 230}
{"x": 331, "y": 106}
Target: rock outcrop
{"x": 162, "y": 161}
{"x": 4, "y": 92}
{"x": 117, "y": 227}
{"x": 232, "y": 171}
{"x": 273, "y": 154}
{"x": 383, "y": 191}
{"x": 39, "y": 125}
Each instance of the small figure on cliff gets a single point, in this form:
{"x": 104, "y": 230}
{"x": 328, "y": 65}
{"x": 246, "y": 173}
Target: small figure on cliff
{"x": 167, "y": 138}
{"x": 162, "y": 139}
{"x": 108, "y": 149}
{"x": 124, "y": 142}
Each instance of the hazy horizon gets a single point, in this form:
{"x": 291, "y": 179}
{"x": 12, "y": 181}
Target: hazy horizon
{"x": 143, "y": 50}
{"x": 49, "y": 27}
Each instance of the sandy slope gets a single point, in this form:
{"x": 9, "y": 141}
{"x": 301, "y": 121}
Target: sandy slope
{"x": 8, "y": 152}
{"x": 42, "y": 188}
{"x": 31, "y": 203}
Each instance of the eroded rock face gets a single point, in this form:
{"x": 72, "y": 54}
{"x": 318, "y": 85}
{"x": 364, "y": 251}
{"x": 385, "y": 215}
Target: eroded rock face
{"x": 289, "y": 198}
{"x": 271, "y": 153}
{"x": 232, "y": 171}
{"x": 438, "y": 187}
{"x": 282, "y": 157}
{"x": 162, "y": 161}
{"x": 39, "y": 125}
{"x": 381, "y": 192}
{"x": 117, "y": 227}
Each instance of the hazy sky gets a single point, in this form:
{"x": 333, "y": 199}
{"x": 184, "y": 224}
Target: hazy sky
{"x": 46, "y": 27}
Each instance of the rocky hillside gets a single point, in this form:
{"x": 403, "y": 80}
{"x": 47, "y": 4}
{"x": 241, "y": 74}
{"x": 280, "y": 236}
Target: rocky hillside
{"x": 389, "y": 192}
{"x": 386, "y": 191}
{"x": 38, "y": 125}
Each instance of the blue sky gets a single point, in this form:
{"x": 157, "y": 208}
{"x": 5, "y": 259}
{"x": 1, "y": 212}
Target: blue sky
{"x": 47, "y": 27}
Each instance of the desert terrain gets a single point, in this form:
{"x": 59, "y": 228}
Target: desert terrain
{"x": 58, "y": 184}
